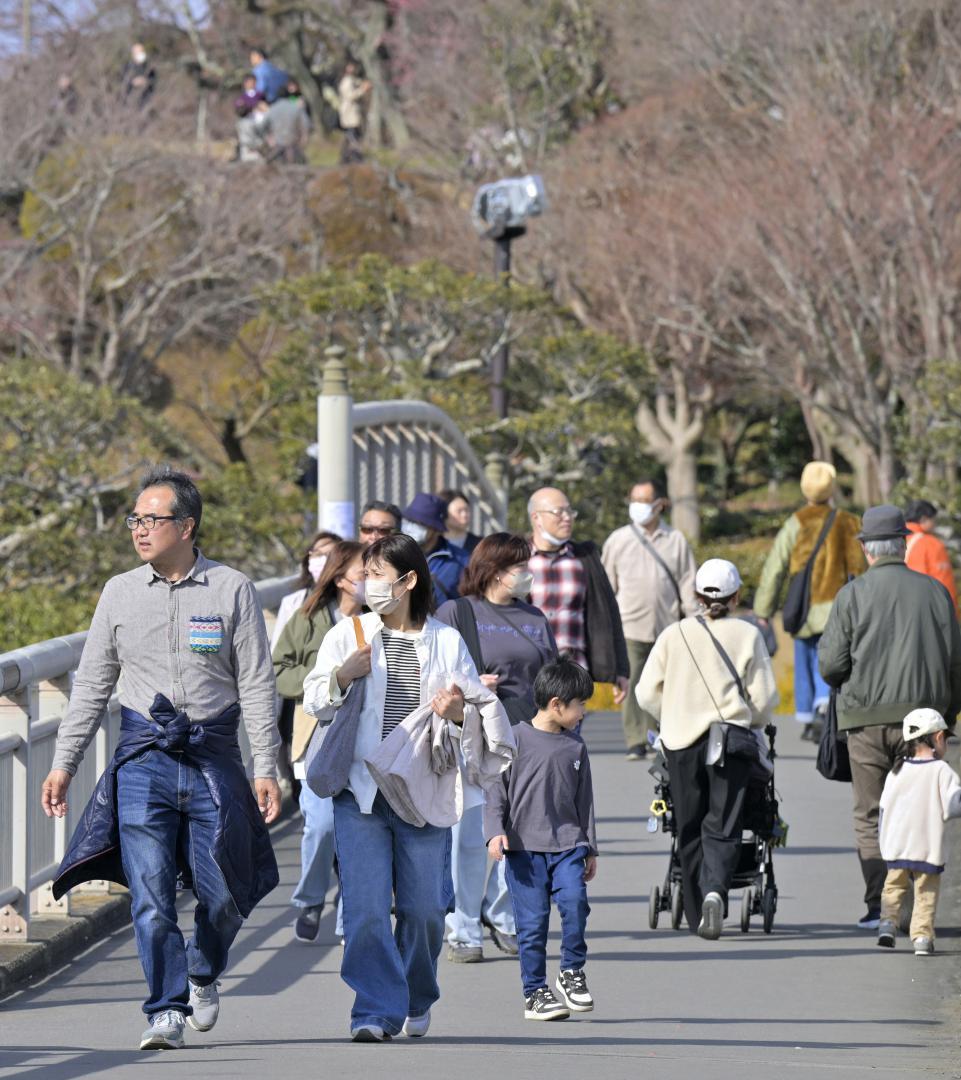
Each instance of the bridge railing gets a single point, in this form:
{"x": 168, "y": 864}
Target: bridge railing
{"x": 383, "y": 450}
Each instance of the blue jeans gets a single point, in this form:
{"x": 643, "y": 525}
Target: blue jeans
{"x": 163, "y": 802}
{"x": 810, "y": 690}
{"x": 382, "y": 858}
{"x": 316, "y": 853}
{"x": 534, "y": 879}
{"x": 479, "y": 891}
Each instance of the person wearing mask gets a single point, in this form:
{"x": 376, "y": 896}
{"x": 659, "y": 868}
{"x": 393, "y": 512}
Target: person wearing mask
{"x": 838, "y": 559}
{"x": 339, "y": 594}
{"x": 891, "y": 644}
{"x": 651, "y": 568}
{"x": 458, "y": 520}
{"x": 271, "y": 81}
{"x": 425, "y": 520}
{"x": 139, "y": 77}
{"x": 515, "y": 642}
{"x": 312, "y": 566}
{"x": 572, "y": 589}
{"x": 377, "y": 520}
{"x": 687, "y": 685}
{"x": 926, "y": 553}
{"x": 383, "y": 860}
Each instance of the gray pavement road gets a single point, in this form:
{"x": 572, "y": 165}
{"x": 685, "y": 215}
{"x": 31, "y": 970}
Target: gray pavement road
{"x": 815, "y": 999}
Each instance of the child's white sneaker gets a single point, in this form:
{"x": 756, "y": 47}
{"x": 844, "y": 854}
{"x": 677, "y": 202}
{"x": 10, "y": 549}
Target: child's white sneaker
{"x": 572, "y": 986}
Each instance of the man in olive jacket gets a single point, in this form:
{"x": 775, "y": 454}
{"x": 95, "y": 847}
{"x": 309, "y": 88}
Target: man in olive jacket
{"x": 891, "y": 644}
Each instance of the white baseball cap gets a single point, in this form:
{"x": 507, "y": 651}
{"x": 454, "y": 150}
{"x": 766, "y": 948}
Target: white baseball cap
{"x": 717, "y": 577}
{"x": 920, "y": 722}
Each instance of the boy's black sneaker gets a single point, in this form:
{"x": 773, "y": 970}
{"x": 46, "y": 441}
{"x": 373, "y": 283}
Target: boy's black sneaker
{"x": 542, "y": 1005}
{"x": 572, "y": 986}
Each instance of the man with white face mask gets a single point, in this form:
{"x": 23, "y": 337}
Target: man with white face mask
{"x": 652, "y": 568}
{"x": 139, "y": 77}
{"x": 572, "y": 590}
{"x": 425, "y": 521}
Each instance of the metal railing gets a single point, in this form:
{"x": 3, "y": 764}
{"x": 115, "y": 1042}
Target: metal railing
{"x": 378, "y": 450}
{"x": 390, "y": 450}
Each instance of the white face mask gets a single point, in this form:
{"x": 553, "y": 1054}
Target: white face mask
{"x": 521, "y": 584}
{"x": 640, "y": 512}
{"x": 380, "y": 596}
{"x": 416, "y": 531}
{"x": 315, "y": 566}
{"x": 556, "y": 541}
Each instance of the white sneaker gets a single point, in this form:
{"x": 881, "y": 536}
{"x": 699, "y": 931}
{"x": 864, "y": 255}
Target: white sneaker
{"x": 415, "y": 1027}
{"x": 369, "y": 1033}
{"x": 205, "y": 1002}
{"x": 923, "y": 946}
{"x": 712, "y": 917}
{"x": 166, "y": 1032}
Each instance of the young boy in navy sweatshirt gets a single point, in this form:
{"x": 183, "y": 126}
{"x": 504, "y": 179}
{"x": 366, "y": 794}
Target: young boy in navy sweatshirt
{"x": 540, "y": 817}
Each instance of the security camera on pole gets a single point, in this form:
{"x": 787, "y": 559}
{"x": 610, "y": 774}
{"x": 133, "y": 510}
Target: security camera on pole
{"x": 500, "y": 211}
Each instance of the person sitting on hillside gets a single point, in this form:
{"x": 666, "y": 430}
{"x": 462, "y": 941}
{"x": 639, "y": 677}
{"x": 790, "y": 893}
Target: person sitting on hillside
{"x": 289, "y": 127}
{"x": 271, "y": 81}
{"x": 139, "y": 77}
{"x": 248, "y": 97}
{"x": 926, "y": 553}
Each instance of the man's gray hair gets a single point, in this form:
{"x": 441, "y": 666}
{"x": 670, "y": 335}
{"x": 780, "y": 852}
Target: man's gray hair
{"x": 895, "y": 548}
{"x": 187, "y": 501}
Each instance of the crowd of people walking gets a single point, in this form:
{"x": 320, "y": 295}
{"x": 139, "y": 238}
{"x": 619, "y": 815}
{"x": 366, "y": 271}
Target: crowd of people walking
{"x": 432, "y": 685}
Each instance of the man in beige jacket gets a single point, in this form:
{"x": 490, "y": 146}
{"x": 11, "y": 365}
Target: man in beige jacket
{"x": 651, "y": 568}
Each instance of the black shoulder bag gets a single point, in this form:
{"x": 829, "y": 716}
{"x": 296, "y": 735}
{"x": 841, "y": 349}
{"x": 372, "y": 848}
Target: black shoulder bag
{"x": 833, "y": 762}
{"x": 797, "y": 603}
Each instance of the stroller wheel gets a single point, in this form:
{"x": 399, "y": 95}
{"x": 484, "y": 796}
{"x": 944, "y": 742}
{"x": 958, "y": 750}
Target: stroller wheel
{"x": 747, "y": 905}
{"x": 677, "y": 908}
{"x": 654, "y": 906}
{"x": 768, "y": 907}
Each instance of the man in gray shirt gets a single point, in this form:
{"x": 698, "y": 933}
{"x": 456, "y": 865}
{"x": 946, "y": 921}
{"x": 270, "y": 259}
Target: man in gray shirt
{"x": 183, "y": 639}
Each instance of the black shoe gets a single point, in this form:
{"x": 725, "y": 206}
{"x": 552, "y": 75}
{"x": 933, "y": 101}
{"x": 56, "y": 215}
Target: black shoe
{"x": 542, "y": 1005}
{"x": 308, "y": 923}
{"x": 637, "y": 752}
{"x": 507, "y": 943}
{"x": 572, "y": 986}
{"x": 807, "y": 735}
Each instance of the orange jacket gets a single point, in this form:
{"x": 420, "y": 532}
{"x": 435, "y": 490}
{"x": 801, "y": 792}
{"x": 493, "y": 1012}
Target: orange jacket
{"x": 928, "y": 555}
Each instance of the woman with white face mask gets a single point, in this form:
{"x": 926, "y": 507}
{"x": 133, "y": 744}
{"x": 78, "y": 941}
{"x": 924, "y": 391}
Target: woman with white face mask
{"x": 515, "y": 641}
{"x": 339, "y": 594}
{"x": 311, "y": 567}
{"x": 383, "y": 859}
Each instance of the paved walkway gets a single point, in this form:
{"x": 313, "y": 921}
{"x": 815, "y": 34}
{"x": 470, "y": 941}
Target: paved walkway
{"x": 815, "y": 999}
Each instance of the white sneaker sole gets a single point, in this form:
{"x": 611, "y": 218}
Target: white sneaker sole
{"x": 162, "y": 1042}
{"x": 574, "y": 1006}
{"x": 712, "y": 920}
{"x": 201, "y": 1027}
{"x": 556, "y": 1014}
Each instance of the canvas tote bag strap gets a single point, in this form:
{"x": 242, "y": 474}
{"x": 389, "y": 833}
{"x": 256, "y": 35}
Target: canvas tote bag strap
{"x": 358, "y": 631}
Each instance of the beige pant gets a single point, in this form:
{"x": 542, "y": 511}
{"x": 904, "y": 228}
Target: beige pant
{"x": 896, "y": 886}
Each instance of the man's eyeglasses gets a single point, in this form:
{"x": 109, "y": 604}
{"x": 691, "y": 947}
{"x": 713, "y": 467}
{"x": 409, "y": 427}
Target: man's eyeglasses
{"x": 381, "y": 530}
{"x": 148, "y": 521}
{"x": 564, "y": 512}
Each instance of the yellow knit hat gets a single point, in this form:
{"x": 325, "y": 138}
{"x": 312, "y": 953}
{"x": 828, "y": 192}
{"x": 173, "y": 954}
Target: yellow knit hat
{"x": 818, "y": 481}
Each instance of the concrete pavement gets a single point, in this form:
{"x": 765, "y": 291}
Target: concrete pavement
{"x": 815, "y": 999}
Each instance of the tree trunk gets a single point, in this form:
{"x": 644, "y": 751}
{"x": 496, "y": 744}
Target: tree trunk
{"x": 682, "y": 489}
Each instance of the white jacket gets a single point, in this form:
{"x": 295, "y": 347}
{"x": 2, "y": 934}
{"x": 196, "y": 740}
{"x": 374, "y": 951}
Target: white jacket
{"x": 442, "y": 655}
{"x": 915, "y": 804}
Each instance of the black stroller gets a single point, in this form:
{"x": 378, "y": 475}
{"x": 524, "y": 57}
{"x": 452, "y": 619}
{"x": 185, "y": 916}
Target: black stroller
{"x": 761, "y": 832}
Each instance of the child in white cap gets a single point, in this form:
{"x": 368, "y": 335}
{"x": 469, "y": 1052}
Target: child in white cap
{"x": 920, "y": 794}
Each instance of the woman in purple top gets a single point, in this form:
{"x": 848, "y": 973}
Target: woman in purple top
{"x": 513, "y": 640}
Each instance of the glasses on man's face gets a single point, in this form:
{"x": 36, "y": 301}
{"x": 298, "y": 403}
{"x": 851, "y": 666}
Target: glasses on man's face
{"x": 378, "y": 530}
{"x": 563, "y": 512}
{"x": 148, "y": 521}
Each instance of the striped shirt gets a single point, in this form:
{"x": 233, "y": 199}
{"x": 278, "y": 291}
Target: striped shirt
{"x": 403, "y": 679}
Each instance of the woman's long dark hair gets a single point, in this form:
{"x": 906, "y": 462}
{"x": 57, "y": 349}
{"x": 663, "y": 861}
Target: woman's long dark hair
{"x": 404, "y": 554}
{"x": 325, "y": 591}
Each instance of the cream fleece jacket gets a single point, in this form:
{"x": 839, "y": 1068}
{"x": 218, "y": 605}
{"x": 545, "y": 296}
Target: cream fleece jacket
{"x": 915, "y": 804}
{"x": 686, "y": 686}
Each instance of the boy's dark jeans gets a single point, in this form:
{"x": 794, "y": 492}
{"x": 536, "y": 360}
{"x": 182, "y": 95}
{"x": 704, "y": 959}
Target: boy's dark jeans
{"x": 534, "y": 879}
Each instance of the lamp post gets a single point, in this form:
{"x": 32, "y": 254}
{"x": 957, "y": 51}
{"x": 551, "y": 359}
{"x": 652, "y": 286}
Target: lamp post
{"x": 500, "y": 212}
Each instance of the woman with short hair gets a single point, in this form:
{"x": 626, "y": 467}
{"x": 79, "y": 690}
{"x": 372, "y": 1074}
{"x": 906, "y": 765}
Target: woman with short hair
{"x": 515, "y": 642}
{"x": 688, "y": 684}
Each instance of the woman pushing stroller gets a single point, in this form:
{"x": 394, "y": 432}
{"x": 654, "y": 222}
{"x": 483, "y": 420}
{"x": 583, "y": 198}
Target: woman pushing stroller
{"x": 710, "y": 669}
